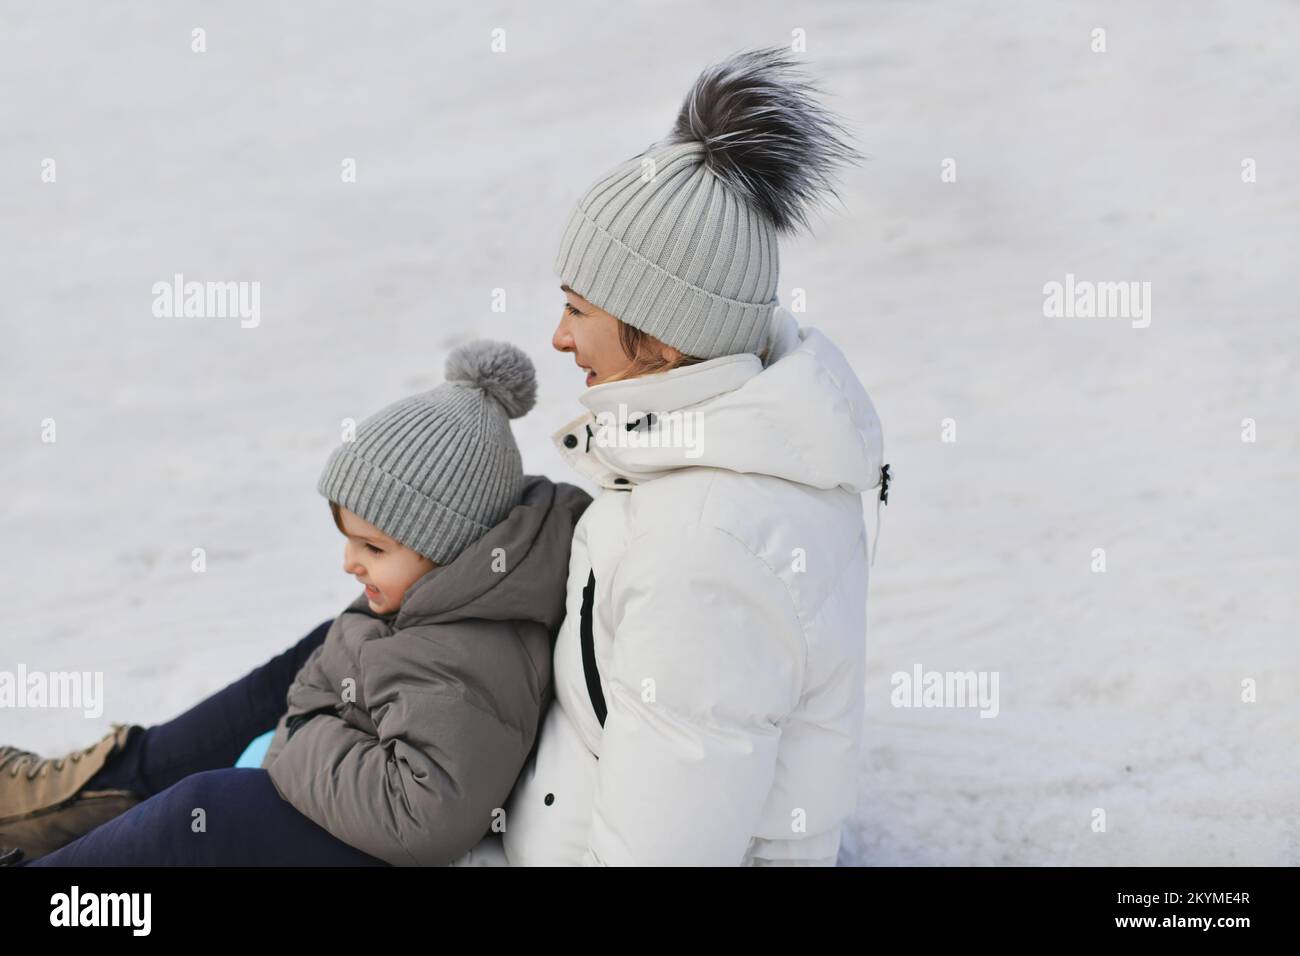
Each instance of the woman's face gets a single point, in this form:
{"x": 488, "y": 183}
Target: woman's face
{"x": 591, "y": 334}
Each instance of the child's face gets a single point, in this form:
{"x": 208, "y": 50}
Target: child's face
{"x": 385, "y": 567}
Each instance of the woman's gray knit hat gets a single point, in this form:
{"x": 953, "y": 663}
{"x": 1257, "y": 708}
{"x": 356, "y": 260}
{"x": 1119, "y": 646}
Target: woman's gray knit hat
{"x": 436, "y": 470}
{"x": 681, "y": 240}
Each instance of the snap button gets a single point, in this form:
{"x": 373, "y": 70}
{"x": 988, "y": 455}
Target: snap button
{"x": 570, "y": 441}
{"x": 550, "y": 798}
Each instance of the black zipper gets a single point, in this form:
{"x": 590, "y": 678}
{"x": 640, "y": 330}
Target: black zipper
{"x": 589, "y": 669}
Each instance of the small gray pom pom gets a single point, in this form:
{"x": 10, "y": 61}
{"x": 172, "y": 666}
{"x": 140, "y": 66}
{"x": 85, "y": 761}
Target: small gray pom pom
{"x": 500, "y": 369}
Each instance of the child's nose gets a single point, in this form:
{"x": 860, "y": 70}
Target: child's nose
{"x": 350, "y": 564}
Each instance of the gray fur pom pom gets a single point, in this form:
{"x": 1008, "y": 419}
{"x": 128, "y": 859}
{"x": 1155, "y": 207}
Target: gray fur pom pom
{"x": 502, "y": 370}
{"x": 764, "y": 133}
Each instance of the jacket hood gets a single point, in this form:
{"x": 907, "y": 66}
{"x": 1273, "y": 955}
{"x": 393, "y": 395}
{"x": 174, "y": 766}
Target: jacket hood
{"x": 523, "y": 581}
{"x": 804, "y": 416}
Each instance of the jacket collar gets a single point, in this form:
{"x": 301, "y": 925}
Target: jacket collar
{"x": 615, "y": 408}
{"x": 674, "y": 389}
{"x": 801, "y": 415}
{"x": 621, "y": 406}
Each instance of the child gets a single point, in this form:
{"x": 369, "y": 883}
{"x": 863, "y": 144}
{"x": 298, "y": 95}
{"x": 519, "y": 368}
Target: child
{"x": 404, "y": 730}
{"x": 407, "y": 727}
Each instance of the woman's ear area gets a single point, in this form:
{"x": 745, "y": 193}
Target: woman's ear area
{"x": 671, "y": 354}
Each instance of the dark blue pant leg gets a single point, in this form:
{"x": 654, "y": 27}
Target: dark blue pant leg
{"x": 245, "y": 823}
{"x": 213, "y": 733}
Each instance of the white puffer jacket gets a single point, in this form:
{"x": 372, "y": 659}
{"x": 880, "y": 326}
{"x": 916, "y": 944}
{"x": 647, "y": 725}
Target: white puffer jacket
{"x": 709, "y": 672}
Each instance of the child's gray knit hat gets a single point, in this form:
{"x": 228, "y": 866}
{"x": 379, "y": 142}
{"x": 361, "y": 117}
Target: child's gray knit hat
{"x": 681, "y": 240}
{"x": 436, "y": 470}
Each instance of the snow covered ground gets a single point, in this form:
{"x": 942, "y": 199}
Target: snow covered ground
{"x": 1119, "y": 691}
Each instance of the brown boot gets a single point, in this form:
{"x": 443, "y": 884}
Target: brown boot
{"x": 42, "y": 804}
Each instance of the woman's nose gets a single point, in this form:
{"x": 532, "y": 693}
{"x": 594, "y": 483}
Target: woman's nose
{"x": 562, "y": 340}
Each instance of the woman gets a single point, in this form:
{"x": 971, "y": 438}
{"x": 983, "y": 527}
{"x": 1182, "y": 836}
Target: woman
{"x": 709, "y": 671}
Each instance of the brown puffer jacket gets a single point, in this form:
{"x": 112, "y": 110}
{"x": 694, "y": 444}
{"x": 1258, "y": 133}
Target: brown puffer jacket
{"x": 430, "y": 714}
